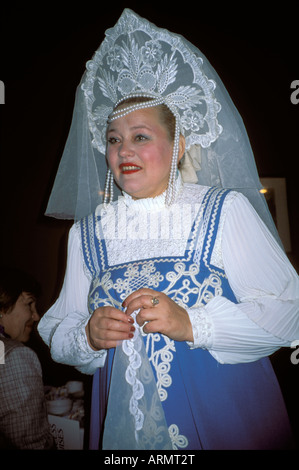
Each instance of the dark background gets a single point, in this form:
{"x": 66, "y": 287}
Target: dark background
{"x": 44, "y": 49}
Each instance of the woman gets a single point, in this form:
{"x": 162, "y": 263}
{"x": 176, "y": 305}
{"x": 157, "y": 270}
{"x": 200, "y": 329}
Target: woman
{"x": 187, "y": 289}
{"x": 23, "y": 416}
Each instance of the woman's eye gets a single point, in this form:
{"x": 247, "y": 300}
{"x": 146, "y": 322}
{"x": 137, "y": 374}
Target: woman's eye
{"x": 112, "y": 140}
{"x": 31, "y": 306}
{"x": 141, "y": 138}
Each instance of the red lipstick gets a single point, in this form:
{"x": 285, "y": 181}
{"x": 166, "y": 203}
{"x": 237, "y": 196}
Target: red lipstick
{"x": 128, "y": 168}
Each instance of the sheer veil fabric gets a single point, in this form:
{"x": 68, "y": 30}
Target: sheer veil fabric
{"x": 135, "y": 419}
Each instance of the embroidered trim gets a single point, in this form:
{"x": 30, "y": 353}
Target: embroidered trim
{"x": 202, "y": 329}
{"x": 216, "y": 256}
{"x": 84, "y": 346}
{"x": 206, "y": 240}
{"x": 178, "y": 440}
{"x": 160, "y": 359}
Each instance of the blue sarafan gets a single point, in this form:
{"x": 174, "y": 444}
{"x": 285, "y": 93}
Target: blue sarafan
{"x": 221, "y": 406}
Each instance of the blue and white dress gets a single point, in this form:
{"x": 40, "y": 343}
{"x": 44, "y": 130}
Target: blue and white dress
{"x": 207, "y": 404}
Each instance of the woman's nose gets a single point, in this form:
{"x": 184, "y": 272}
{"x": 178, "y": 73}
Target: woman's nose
{"x": 35, "y": 314}
{"x": 125, "y": 149}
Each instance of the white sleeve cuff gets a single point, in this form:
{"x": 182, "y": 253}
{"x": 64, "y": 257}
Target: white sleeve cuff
{"x": 69, "y": 345}
{"x": 203, "y": 328}
{"x": 84, "y": 346}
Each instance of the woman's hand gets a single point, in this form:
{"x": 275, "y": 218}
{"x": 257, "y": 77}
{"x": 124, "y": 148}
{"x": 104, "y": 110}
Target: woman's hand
{"x": 107, "y": 326}
{"x": 165, "y": 317}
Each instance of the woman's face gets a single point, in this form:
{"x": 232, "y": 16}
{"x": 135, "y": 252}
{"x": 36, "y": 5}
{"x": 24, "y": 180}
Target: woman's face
{"x": 139, "y": 153}
{"x": 18, "y": 322}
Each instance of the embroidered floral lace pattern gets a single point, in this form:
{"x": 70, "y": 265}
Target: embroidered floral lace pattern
{"x": 202, "y": 329}
{"x": 138, "y": 58}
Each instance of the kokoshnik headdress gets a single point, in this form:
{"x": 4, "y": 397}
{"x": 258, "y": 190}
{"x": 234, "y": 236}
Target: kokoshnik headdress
{"x": 137, "y": 58}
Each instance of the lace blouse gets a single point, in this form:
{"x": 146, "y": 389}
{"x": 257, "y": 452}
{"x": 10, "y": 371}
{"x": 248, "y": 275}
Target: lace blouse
{"x": 264, "y": 282}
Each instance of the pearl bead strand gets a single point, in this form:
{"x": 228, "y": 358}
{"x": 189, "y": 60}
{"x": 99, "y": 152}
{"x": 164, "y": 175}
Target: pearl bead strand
{"x": 119, "y": 113}
{"x": 171, "y": 193}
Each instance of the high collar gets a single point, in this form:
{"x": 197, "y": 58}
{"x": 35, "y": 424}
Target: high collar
{"x": 151, "y": 203}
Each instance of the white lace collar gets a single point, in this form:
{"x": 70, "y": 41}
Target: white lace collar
{"x": 150, "y": 203}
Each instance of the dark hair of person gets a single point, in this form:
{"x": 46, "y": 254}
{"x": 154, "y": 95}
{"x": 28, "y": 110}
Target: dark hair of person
{"x": 12, "y": 283}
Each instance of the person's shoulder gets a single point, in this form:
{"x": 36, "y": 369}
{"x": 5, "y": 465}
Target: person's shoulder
{"x": 11, "y": 345}
{"x": 234, "y": 198}
{"x": 16, "y": 350}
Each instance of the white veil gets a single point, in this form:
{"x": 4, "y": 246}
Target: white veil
{"x": 135, "y": 419}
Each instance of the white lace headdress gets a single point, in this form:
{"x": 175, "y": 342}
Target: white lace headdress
{"x": 137, "y": 58}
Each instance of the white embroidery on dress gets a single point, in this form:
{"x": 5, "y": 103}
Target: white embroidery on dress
{"x": 160, "y": 359}
{"x": 202, "y": 329}
{"x": 178, "y": 440}
{"x": 94, "y": 299}
{"x": 147, "y": 275}
{"x": 202, "y": 290}
{"x": 137, "y": 276}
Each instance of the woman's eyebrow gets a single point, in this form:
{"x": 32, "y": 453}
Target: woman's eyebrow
{"x": 111, "y": 130}
{"x": 138, "y": 126}
{"x": 141, "y": 126}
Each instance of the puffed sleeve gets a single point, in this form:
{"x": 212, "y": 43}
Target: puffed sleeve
{"x": 266, "y": 287}
{"x": 63, "y": 325}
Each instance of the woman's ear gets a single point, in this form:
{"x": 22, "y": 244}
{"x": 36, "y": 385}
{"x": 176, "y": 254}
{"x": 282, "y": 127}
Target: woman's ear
{"x": 181, "y": 147}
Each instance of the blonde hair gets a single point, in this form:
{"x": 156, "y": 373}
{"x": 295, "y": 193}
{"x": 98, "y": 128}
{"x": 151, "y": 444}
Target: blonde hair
{"x": 166, "y": 116}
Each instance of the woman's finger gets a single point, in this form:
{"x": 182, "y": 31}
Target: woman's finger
{"x": 142, "y": 302}
{"x": 138, "y": 293}
{"x": 108, "y": 325}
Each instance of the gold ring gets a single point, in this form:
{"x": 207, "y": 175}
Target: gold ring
{"x": 155, "y": 301}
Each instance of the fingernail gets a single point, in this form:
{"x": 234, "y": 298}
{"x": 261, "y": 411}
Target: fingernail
{"x": 130, "y": 320}
{"x": 131, "y": 335}
{"x": 132, "y": 328}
